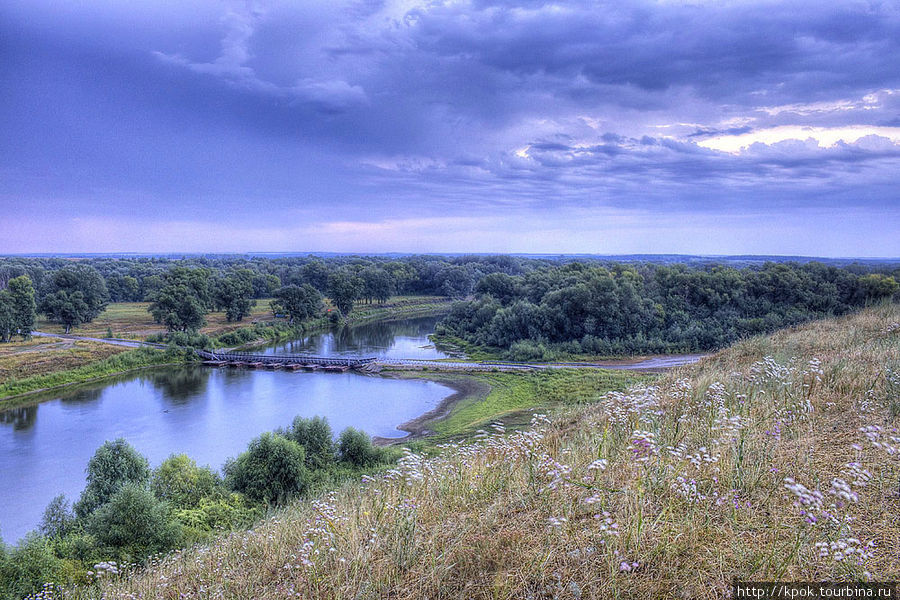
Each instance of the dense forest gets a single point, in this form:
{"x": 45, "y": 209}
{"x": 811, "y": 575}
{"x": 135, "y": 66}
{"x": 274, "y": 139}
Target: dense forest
{"x": 620, "y": 309}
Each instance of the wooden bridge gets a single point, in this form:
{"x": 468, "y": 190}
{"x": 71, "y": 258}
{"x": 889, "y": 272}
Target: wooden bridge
{"x": 283, "y": 361}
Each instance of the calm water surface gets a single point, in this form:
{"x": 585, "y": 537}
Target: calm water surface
{"x": 397, "y": 339}
{"x": 207, "y": 413}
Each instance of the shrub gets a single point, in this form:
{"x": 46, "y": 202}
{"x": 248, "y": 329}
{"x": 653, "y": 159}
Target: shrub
{"x": 355, "y": 447}
{"x": 28, "y": 567}
{"x": 188, "y": 339}
{"x": 526, "y": 350}
{"x": 236, "y": 337}
{"x": 134, "y": 524}
{"x": 181, "y": 483}
{"x": 114, "y": 465}
{"x": 213, "y": 515}
{"x": 272, "y": 470}
{"x": 316, "y": 438}
{"x": 78, "y": 547}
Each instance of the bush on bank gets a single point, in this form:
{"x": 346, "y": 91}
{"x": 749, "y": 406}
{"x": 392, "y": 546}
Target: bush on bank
{"x": 128, "y": 513}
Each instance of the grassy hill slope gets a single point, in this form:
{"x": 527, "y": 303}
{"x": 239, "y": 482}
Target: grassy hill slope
{"x": 773, "y": 459}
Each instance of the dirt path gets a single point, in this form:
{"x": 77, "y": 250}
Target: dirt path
{"x": 655, "y": 363}
{"x": 111, "y": 341}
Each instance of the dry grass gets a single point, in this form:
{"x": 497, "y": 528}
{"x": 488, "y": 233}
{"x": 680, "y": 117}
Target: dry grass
{"x": 41, "y": 356}
{"x": 664, "y": 492}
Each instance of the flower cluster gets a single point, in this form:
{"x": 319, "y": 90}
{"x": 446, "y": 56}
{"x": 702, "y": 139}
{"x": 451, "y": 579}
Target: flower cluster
{"x": 876, "y": 435}
{"x": 768, "y": 371}
{"x": 619, "y": 408}
{"x": 846, "y": 548}
{"x": 643, "y": 445}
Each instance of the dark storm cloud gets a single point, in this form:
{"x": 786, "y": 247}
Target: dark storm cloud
{"x": 441, "y": 107}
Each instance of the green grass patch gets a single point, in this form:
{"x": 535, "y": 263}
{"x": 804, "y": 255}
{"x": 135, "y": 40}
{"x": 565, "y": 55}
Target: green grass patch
{"x": 118, "y": 363}
{"x": 514, "y": 393}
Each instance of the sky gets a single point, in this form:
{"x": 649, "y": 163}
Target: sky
{"x": 620, "y": 126}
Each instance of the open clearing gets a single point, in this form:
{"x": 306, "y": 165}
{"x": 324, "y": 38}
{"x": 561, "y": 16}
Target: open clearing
{"x": 40, "y": 356}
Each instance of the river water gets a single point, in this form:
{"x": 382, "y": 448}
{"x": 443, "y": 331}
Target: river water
{"x": 209, "y": 414}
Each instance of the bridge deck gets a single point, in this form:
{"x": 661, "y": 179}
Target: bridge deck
{"x": 283, "y": 359}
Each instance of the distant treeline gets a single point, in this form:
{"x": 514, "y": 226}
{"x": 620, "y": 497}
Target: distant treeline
{"x": 530, "y": 308}
{"x": 73, "y": 291}
{"x": 625, "y": 309}
{"x": 138, "y": 279}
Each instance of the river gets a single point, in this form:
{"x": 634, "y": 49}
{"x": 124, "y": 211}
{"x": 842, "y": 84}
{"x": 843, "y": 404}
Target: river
{"x": 207, "y": 413}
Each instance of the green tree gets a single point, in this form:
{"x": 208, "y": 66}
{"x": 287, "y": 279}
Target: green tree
{"x": 28, "y": 567}
{"x": 234, "y": 293}
{"x": 114, "y": 465}
{"x": 133, "y": 524}
{"x": 344, "y": 287}
{"x": 298, "y": 302}
{"x": 264, "y": 285}
{"x": 876, "y": 287}
{"x": 7, "y": 316}
{"x": 76, "y": 295}
{"x": 58, "y": 518}
{"x": 315, "y": 273}
{"x": 183, "y": 300}
{"x": 21, "y": 296}
{"x": 377, "y": 284}
{"x": 454, "y": 281}
{"x": 355, "y": 447}
{"x": 181, "y": 483}
{"x": 316, "y": 438}
{"x": 272, "y": 470}
{"x": 501, "y": 286}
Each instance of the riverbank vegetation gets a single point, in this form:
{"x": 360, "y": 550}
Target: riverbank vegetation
{"x": 578, "y": 309}
{"x": 128, "y": 512}
{"x": 771, "y": 460}
{"x": 69, "y": 362}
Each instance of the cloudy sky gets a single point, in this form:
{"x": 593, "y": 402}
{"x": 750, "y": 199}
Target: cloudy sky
{"x": 620, "y": 126}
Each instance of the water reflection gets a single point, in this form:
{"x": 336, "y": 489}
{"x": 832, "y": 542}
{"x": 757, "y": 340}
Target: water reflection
{"x": 20, "y": 418}
{"x": 83, "y": 394}
{"x": 180, "y": 384}
{"x": 406, "y": 338}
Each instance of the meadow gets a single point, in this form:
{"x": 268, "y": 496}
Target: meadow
{"x": 131, "y": 320}
{"x": 773, "y": 459}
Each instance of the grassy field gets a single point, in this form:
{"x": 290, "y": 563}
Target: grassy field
{"x": 771, "y": 460}
{"x": 40, "y": 356}
{"x": 131, "y": 319}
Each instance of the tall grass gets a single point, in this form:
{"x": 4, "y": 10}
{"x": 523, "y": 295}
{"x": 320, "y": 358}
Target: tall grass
{"x": 774, "y": 459}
